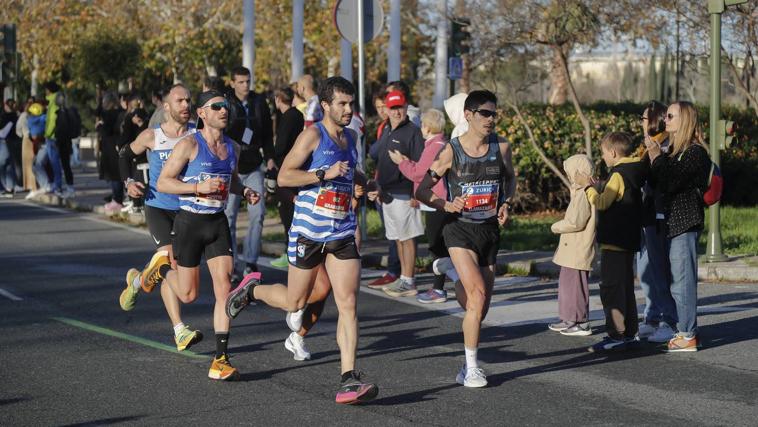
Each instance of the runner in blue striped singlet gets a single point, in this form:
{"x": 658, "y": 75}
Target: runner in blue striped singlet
{"x": 160, "y": 208}
{"x": 479, "y": 173}
{"x": 322, "y": 164}
{"x": 202, "y": 172}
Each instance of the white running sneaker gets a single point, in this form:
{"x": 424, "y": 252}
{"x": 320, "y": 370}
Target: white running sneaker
{"x": 295, "y": 320}
{"x": 645, "y": 330}
{"x": 442, "y": 265}
{"x": 296, "y": 345}
{"x": 663, "y": 333}
{"x": 473, "y": 377}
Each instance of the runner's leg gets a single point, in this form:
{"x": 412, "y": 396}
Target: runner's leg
{"x": 345, "y": 278}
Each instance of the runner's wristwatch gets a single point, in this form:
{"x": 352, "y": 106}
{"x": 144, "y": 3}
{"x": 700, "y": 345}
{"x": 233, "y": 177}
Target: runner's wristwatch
{"x": 320, "y": 174}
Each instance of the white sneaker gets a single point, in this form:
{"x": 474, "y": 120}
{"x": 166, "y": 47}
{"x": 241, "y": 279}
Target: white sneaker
{"x": 646, "y": 329}
{"x": 34, "y": 193}
{"x": 442, "y": 265}
{"x": 473, "y": 377}
{"x": 295, "y": 320}
{"x": 296, "y": 344}
{"x": 663, "y": 333}
{"x": 69, "y": 192}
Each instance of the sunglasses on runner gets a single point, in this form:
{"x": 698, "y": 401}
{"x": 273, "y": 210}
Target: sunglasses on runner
{"x": 217, "y": 106}
{"x": 485, "y": 113}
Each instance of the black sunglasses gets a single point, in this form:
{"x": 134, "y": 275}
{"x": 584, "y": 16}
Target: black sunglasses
{"x": 485, "y": 113}
{"x": 670, "y": 116}
{"x": 217, "y": 106}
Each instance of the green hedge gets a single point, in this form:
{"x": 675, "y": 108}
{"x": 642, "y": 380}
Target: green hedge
{"x": 560, "y": 133}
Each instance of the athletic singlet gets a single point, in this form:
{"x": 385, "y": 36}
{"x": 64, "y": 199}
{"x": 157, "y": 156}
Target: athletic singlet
{"x": 323, "y": 211}
{"x": 156, "y": 159}
{"x": 203, "y": 167}
{"x": 478, "y": 180}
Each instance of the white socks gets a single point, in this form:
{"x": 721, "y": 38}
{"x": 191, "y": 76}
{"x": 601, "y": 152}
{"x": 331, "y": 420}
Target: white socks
{"x": 471, "y": 361}
{"x": 136, "y": 282}
{"x": 178, "y": 328}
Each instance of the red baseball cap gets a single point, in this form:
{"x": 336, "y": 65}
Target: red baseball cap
{"x": 394, "y": 99}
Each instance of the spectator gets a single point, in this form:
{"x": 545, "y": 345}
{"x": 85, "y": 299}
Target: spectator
{"x": 682, "y": 176}
{"x": 36, "y": 121}
{"x": 414, "y": 113}
{"x": 402, "y": 218}
{"x": 51, "y": 144}
{"x": 109, "y": 138}
{"x": 298, "y": 101}
{"x": 27, "y": 148}
{"x": 157, "y": 117}
{"x": 250, "y": 126}
{"x": 67, "y": 127}
{"x": 307, "y": 90}
{"x": 454, "y": 110}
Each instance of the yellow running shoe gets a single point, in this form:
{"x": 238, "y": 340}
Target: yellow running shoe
{"x": 187, "y": 338}
{"x": 222, "y": 370}
{"x": 151, "y": 275}
{"x": 129, "y": 295}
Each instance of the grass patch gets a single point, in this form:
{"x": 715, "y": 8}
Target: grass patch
{"x": 532, "y": 232}
{"x": 739, "y": 231}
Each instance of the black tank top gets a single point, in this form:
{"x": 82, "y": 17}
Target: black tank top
{"x": 477, "y": 179}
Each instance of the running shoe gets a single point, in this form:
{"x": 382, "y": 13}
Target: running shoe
{"x": 129, "y": 295}
{"x": 151, "y": 275}
{"x": 442, "y": 265}
{"x": 471, "y": 377}
{"x": 281, "y": 262}
{"x": 682, "y": 344}
{"x": 608, "y": 345}
{"x": 296, "y": 345}
{"x": 663, "y": 333}
{"x": 187, "y": 338}
{"x": 242, "y": 295}
{"x": 354, "y": 390}
{"x": 383, "y": 281}
{"x": 400, "y": 288}
{"x": 222, "y": 370}
{"x": 295, "y": 319}
{"x": 578, "y": 330}
{"x": 432, "y": 296}
{"x": 557, "y": 327}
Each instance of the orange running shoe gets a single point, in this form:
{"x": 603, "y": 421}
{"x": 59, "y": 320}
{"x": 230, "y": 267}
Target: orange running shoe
{"x": 222, "y": 370}
{"x": 151, "y": 275}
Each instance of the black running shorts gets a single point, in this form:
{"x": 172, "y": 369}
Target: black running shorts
{"x": 310, "y": 254}
{"x": 160, "y": 222}
{"x": 482, "y": 238}
{"x": 196, "y": 235}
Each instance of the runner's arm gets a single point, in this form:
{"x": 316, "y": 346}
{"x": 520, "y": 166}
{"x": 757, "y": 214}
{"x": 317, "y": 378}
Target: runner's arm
{"x": 168, "y": 181}
{"x": 439, "y": 168}
{"x": 129, "y": 151}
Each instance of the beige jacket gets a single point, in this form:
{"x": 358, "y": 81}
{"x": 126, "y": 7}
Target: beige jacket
{"x": 576, "y": 248}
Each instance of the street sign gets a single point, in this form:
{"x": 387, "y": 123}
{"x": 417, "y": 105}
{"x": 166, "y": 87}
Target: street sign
{"x": 454, "y": 68}
{"x": 346, "y": 19}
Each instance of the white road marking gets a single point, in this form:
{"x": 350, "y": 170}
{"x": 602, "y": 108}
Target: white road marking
{"x": 9, "y": 295}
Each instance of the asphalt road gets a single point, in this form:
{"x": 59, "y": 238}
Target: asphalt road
{"x": 70, "y": 356}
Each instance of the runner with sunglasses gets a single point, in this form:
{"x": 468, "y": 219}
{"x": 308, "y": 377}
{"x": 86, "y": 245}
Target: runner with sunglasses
{"x": 322, "y": 163}
{"x": 481, "y": 182}
{"x": 202, "y": 171}
{"x": 160, "y": 208}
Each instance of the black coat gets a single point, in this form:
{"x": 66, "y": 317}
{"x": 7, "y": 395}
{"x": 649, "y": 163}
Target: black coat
{"x": 109, "y": 136}
{"x": 257, "y": 117}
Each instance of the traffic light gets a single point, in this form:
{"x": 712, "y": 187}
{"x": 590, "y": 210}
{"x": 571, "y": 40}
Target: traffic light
{"x": 460, "y": 37}
{"x": 726, "y": 131}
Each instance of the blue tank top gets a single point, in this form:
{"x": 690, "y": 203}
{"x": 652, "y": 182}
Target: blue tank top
{"x": 203, "y": 167}
{"x": 323, "y": 212}
{"x": 156, "y": 159}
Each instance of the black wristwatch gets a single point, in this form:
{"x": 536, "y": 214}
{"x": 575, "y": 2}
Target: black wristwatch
{"x": 320, "y": 174}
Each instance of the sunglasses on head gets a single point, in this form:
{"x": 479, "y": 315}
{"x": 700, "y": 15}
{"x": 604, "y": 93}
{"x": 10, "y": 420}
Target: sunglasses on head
{"x": 217, "y": 106}
{"x": 485, "y": 113}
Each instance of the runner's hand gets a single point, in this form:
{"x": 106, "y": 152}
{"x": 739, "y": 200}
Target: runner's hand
{"x": 337, "y": 169}
{"x": 358, "y": 191}
{"x": 456, "y": 205}
{"x": 134, "y": 189}
{"x": 251, "y": 196}
{"x": 210, "y": 185}
{"x": 502, "y": 215}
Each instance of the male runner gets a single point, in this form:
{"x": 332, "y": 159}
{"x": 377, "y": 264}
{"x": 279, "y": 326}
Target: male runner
{"x": 322, "y": 163}
{"x": 202, "y": 171}
{"x": 481, "y": 181}
{"x": 160, "y": 208}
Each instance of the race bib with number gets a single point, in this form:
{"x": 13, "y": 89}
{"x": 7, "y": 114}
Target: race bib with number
{"x": 218, "y": 197}
{"x": 333, "y": 200}
{"x": 481, "y": 200}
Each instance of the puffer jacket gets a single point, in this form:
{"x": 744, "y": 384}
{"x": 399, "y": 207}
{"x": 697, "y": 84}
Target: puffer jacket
{"x": 576, "y": 248}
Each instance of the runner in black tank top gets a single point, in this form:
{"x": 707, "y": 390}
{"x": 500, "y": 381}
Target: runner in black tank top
{"x": 479, "y": 174}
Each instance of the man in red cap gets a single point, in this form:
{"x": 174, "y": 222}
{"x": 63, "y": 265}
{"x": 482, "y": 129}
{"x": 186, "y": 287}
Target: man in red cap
{"x": 402, "y": 218}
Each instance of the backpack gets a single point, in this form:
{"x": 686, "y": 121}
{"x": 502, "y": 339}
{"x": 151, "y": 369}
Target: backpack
{"x": 715, "y": 186}
{"x": 70, "y": 122}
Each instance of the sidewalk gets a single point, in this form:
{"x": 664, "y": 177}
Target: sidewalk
{"x": 91, "y": 191}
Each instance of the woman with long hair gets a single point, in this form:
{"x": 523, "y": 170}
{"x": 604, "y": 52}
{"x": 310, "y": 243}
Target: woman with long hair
{"x": 682, "y": 177}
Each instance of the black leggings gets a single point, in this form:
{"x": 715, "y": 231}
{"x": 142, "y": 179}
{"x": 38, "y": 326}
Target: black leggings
{"x": 435, "y": 222}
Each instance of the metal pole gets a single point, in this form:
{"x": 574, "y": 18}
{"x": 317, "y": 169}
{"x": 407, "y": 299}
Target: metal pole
{"x": 440, "y": 56}
{"x": 248, "y": 38}
{"x": 362, "y": 105}
{"x": 713, "y": 251}
{"x": 393, "y": 51}
{"x": 346, "y": 61}
{"x": 298, "y": 20}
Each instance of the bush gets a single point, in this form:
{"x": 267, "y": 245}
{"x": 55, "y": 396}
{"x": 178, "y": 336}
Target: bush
{"x": 560, "y": 133}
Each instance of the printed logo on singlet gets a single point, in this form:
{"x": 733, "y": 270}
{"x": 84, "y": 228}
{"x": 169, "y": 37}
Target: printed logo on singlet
{"x": 481, "y": 199}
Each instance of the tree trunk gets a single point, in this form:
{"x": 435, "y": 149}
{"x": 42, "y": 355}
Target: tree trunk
{"x": 559, "y": 84}
{"x": 575, "y": 100}
{"x": 464, "y": 84}
{"x": 738, "y": 83}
